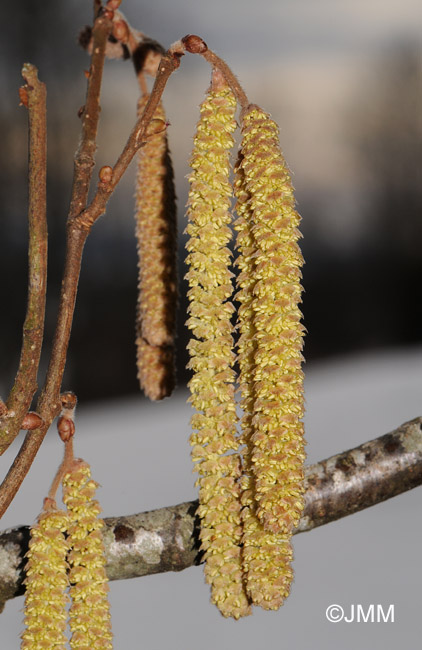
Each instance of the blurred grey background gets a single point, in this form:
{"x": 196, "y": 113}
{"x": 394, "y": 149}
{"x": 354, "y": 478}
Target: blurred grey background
{"x": 343, "y": 80}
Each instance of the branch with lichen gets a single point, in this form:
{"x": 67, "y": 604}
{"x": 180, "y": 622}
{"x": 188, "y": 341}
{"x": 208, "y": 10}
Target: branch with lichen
{"x": 168, "y": 539}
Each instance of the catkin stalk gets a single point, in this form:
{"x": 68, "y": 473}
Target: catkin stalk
{"x": 156, "y": 236}
{"x": 214, "y": 438}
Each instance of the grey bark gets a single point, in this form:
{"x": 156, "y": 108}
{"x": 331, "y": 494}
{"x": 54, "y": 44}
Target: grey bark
{"x": 168, "y": 539}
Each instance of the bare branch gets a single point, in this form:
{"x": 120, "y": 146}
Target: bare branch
{"x": 169, "y": 63}
{"x": 49, "y": 402}
{"x": 79, "y": 224}
{"x": 85, "y": 155}
{"x": 33, "y": 95}
{"x": 168, "y": 539}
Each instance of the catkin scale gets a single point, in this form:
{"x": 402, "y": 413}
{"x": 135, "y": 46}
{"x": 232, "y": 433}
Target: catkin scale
{"x": 214, "y": 438}
{"x": 156, "y": 236}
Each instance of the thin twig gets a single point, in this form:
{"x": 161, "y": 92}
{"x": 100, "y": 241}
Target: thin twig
{"x": 85, "y": 155}
{"x": 169, "y": 63}
{"x": 49, "y": 402}
{"x": 34, "y": 97}
{"x": 78, "y": 228}
{"x": 168, "y": 539}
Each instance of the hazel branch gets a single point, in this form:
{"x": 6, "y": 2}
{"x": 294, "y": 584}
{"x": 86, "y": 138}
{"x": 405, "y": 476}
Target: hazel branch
{"x": 33, "y": 96}
{"x": 48, "y": 405}
{"x": 80, "y": 222}
{"x": 85, "y": 155}
{"x": 336, "y": 487}
{"x": 168, "y": 64}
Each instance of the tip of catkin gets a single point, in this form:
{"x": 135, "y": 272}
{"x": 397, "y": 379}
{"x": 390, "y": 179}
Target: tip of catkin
{"x": 156, "y": 372}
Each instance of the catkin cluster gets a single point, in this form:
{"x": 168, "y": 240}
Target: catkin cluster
{"x": 251, "y": 479}
{"x": 65, "y": 562}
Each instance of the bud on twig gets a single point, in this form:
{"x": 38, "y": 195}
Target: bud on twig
{"x": 194, "y": 44}
{"x": 23, "y": 96}
{"x": 105, "y": 174}
{"x": 65, "y": 423}
{"x": 31, "y": 421}
{"x": 66, "y": 428}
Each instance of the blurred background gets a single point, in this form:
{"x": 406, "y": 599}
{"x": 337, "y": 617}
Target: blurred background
{"x": 343, "y": 81}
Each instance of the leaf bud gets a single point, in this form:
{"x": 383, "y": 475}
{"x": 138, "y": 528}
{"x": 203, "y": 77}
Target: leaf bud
{"x": 105, "y": 174}
{"x": 66, "y": 428}
{"x": 194, "y": 44}
{"x": 31, "y": 421}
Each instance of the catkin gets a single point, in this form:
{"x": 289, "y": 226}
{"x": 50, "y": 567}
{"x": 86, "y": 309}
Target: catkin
{"x": 156, "y": 236}
{"x": 46, "y": 582}
{"x": 266, "y": 556}
{"x": 89, "y": 613}
{"x": 276, "y": 437}
{"x": 214, "y": 438}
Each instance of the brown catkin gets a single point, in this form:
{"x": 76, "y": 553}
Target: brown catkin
{"x": 156, "y": 236}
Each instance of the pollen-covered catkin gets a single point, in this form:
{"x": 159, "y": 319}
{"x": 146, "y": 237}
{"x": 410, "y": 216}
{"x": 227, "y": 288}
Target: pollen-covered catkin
{"x": 89, "y": 612}
{"x": 266, "y": 557}
{"x": 156, "y": 236}
{"x": 277, "y": 437}
{"x": 214, "y": 438}
{"x": 46, "y": 582}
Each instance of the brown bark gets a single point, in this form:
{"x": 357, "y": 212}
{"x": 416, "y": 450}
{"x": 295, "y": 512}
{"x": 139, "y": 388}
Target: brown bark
{"x": 168, "y": 539}
{"x": 25, "y": 385}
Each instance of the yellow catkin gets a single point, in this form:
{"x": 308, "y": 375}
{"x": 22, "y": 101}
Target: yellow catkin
{"x": 277, "y": 437}
{"x": 156, "y": 235}
{"x": 46, "y": 583}
{"x": 214, "y": 438}
{"x": 266, "y": 556}
{"x": 89, "y": 613}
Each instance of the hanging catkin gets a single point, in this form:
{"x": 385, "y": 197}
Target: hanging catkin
{"x": 156, "y": 236}
{"x": 266, "y": 556}
{"x": 276, "y": 438}
{"x": 46, "y": 582}
{"x": 214, "y": 438}
{"x": 89, "y": 613}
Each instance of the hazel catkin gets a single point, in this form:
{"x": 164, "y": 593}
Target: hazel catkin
{"x": 46, "y": 582}
{"x": 89, "y": 613}
{"x": 276, "y": 438}
{"x": 156, "y": 236}
{"x": 214, "y": 438}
